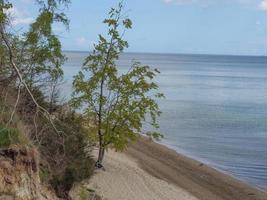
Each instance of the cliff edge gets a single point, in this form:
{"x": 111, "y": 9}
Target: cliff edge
{"x": 19, "y": 175}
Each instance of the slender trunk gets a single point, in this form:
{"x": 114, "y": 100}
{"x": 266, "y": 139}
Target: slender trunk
{"x": 101, "y": 155}
{"x": 101, "y": 152}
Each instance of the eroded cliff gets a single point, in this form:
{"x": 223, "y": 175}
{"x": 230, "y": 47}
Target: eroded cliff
{"x": 19, "y": 175}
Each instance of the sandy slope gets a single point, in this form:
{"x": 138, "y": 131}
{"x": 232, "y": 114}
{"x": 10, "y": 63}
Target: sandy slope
{"x": 125, "y": 180}
{"x": 150, "y": 171}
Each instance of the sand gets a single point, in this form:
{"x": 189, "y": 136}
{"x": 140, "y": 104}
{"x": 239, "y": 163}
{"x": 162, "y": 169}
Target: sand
{"x": 150, "y": 171}
{"x": 123, "y": 179}
{"x": 200, "y": 180}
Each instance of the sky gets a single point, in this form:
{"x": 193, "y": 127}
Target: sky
{"x": 232, "y": 27}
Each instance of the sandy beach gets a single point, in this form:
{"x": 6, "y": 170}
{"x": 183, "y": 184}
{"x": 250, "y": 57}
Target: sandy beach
{"x": 123, "y": 179}
{"x": 150, "y": 171}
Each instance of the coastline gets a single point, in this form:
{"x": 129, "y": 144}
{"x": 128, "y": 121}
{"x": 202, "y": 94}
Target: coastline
{"x": 210, "y": 164}
{"x": 152, "y": 171}
{"x": 124, "y": 179}
{"x": 201, "y": 180}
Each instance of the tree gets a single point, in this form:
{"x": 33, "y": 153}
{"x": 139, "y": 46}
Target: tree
{"x": 32, "y": 59}
{"x": 30, "y": 68}
{"x": 43, "y": 56}
{"x": 36, "y": 52}
{"x": 26, "y": 58}
{"x": 117, "y": 104}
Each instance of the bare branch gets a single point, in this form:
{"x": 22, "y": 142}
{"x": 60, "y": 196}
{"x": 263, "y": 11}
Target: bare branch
{"x": 11, "y": 58}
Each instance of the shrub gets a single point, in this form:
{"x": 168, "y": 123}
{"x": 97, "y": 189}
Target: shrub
{"x": 76, "y": 164}
{"x": 10, "y": 136}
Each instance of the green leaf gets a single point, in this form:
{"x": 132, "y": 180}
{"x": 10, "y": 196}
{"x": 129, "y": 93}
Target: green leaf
{"x": 118, "y": 104}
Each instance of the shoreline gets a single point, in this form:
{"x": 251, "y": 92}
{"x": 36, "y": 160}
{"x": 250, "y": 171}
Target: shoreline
{"x": 203, "y": 181}
{"x": 210, "y": 164}
{"x": 152, "y": 171}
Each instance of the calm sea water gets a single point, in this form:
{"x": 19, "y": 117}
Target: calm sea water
{"x": 215, "y": 108}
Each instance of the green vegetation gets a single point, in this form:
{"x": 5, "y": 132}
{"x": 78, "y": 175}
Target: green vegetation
{"x": 30, "y": 63}
{"x": 78, "y": 165}
{"x": 83, "y": 195}
{"x": 116, "y": 104}
{"x": 9, "y": 136}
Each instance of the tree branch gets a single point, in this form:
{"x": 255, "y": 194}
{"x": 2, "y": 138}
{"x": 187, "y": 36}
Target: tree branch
{"x": 11, "y": 59}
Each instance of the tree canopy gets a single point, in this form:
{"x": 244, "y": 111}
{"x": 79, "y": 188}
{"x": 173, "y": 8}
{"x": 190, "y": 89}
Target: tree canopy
{"x": 117, "y": 104}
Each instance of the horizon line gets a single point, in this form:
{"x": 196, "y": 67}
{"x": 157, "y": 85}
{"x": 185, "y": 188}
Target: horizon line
{"x": 196, "y": 54}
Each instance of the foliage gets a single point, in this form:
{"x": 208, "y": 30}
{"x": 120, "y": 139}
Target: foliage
{"x": 3, "y": 20}
{"x": 42, "y": 57}
{"x": 37, "y": 53}
{"x": 76, "y": 164}
{"x": 117, "y": 104}
{"x": 4, "y": 5}
{"x": 10, "y": 136}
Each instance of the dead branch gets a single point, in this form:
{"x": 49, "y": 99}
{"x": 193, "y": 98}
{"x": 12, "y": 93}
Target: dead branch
{"x": 11, "y": 59}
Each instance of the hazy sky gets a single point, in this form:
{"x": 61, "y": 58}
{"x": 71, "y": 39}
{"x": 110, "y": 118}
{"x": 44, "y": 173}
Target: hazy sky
{"x": 167, "y": 26}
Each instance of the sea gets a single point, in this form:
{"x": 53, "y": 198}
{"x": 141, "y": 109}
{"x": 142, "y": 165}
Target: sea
{"x": 215, "y": 107}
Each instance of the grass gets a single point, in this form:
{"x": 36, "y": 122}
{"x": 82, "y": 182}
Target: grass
{"x": 9, "y": 136}
{"x": 83, "y": 195}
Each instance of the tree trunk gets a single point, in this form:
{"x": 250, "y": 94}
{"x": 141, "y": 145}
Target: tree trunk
{"x": 100, "y": 158}
{"x": 101, "y": 153}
